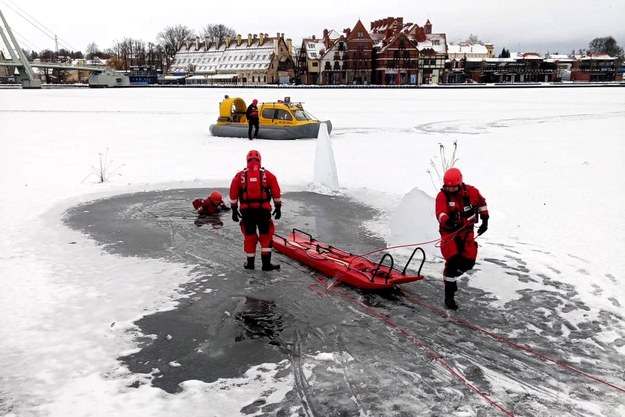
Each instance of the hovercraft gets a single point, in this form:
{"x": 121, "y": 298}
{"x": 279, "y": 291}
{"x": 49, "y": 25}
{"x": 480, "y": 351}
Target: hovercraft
{"x": 282, "y": 119}
{"x": 354, "y": 270}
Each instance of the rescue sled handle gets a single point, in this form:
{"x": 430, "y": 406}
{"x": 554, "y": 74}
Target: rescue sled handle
{"x": 410, "y": 259}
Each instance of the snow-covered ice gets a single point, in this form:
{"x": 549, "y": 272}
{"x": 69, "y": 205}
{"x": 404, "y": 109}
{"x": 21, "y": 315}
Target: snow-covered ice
{"x": 547, "y": 160}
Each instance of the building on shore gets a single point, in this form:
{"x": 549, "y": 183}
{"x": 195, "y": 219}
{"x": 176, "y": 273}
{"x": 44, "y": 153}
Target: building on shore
{"x": 255, "y": 60}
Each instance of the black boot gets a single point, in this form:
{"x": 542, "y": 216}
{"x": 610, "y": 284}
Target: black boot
{"x": 250, "y": 263}
{"x": 267, "y": 265}
{"x": 450, "y": 289}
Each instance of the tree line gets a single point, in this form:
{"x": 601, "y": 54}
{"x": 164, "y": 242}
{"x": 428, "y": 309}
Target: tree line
{"x": 131, "y": 52}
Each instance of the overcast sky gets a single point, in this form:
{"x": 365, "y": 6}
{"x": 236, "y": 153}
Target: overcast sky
{"x": 531, "y": 25}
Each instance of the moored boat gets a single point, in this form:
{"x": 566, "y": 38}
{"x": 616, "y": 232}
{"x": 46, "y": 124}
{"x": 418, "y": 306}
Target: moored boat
{"x": 282, "y": 119}
{"x": 354, "y": 270}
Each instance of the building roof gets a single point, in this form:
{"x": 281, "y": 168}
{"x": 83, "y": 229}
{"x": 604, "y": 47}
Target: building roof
{"x": 314, "y": 48}
{"x": 467, "y": 48}
{"x": 434, "y": 41}
{"x": 598, "y": 57}
{"x": 242, "y": 54}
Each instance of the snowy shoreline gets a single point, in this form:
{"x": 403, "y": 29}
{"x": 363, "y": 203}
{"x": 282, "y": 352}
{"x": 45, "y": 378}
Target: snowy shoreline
{"x": 374, "y": 87}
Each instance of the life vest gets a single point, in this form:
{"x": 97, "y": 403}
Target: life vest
{"x": 254, "y": 191}
{"x": 254, "y": 112}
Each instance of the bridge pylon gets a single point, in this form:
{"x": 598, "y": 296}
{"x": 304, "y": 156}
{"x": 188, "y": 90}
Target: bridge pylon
{"x": 19, "y": 60}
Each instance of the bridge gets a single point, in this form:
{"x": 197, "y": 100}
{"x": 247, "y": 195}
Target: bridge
{"x": 100, "y": 77}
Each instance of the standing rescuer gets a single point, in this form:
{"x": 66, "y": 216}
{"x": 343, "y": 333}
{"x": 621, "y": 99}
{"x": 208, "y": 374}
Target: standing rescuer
{"x": 251, "y": 191}
{"x": 458, "y": 206}
{"x": 252, "y": 119}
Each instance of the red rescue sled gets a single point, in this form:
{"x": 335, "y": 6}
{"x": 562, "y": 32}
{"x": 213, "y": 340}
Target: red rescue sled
{"x": 351, "y": 269}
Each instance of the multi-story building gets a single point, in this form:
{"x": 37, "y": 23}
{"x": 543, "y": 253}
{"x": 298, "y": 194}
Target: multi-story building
{"x": 432, "y": 53}
{"x": 259, "y": 59}
{"x": 358, "y": 62}
{"x": 406, "y": 53}
{"x": 309, "y": 60}
{"x": 596, "y": 67}
{"x": 334, "y": 59}
{"x": 530, "y": 67}
{"x": 396, "y": 57}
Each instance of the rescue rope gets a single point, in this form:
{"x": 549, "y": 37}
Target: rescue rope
{"x": 508, "y": 341}
{"x": 427, "y": 242}
{"x": 419, "y": 343}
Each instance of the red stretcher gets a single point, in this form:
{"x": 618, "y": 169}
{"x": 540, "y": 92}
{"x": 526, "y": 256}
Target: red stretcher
{"x": 351, "y": 269}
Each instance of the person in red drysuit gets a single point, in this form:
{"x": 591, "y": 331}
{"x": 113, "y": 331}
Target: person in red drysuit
{"x": 458, "y": 206}
{"x": 208, "y": 208}
{"x": 251, "y": 192}
{"x": 214, "y": 203}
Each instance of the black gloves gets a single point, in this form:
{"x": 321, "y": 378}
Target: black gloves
{"x": 277, "y": 213}
{"x": 236, "y": 216}
{"x": 452, "y": 224}
{"x": 484, "y": 226}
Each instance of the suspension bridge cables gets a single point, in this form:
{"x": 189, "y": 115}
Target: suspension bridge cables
{"x": 37, "y": 24}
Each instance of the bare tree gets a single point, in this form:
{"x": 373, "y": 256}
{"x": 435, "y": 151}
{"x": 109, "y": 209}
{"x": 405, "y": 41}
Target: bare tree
{"x": 473, "y": 39}
{"x": 92, "y": 50}
{"x": 123, "y": 52}
{"x": 139, "y": 50}
{"x": 606, "y": 45}
{"x": 155, "y": 56}
{"x": 218, "y": 32}
{"x": 171, "y": 39}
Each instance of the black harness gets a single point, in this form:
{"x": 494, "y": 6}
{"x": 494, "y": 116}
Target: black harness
{"x": 468, "y": 210}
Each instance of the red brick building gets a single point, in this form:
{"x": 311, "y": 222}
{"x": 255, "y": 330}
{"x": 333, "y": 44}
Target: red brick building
{"x": 595, "y": 67}
{"x": 359, "y": 55}
{"x": 396, "y": 56}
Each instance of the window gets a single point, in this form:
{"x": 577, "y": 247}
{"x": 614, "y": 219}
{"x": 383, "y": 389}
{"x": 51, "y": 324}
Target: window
{"x": 303, "y": 115}
{"x": 315, "y": 64}
{"x": 268, "y": 114}
{"x": 436, "y": 42}
{"x": 283, "y": 115}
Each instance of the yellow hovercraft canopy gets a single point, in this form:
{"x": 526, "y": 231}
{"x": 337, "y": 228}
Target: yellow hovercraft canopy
{"x": 232, "y": 109}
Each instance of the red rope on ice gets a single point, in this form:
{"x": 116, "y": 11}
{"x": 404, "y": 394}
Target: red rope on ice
{"x": 508, "y": 341}
{"x": 427, "y": 242}
{"x": 418, "y": 342}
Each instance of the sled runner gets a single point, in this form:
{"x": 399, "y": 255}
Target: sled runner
{"x": 354, "y": 270}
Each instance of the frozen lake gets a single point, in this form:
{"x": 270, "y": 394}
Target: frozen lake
{"x": 95, "y": 277}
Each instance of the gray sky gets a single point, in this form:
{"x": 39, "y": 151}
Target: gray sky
{"x": 532, "y": 25}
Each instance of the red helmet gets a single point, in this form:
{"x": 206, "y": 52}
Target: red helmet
{"x": 253, "y": 155}
{"x": 254, "y": 102}
{"x": 215, "y": 197}
{"x": 452, "y": 177}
